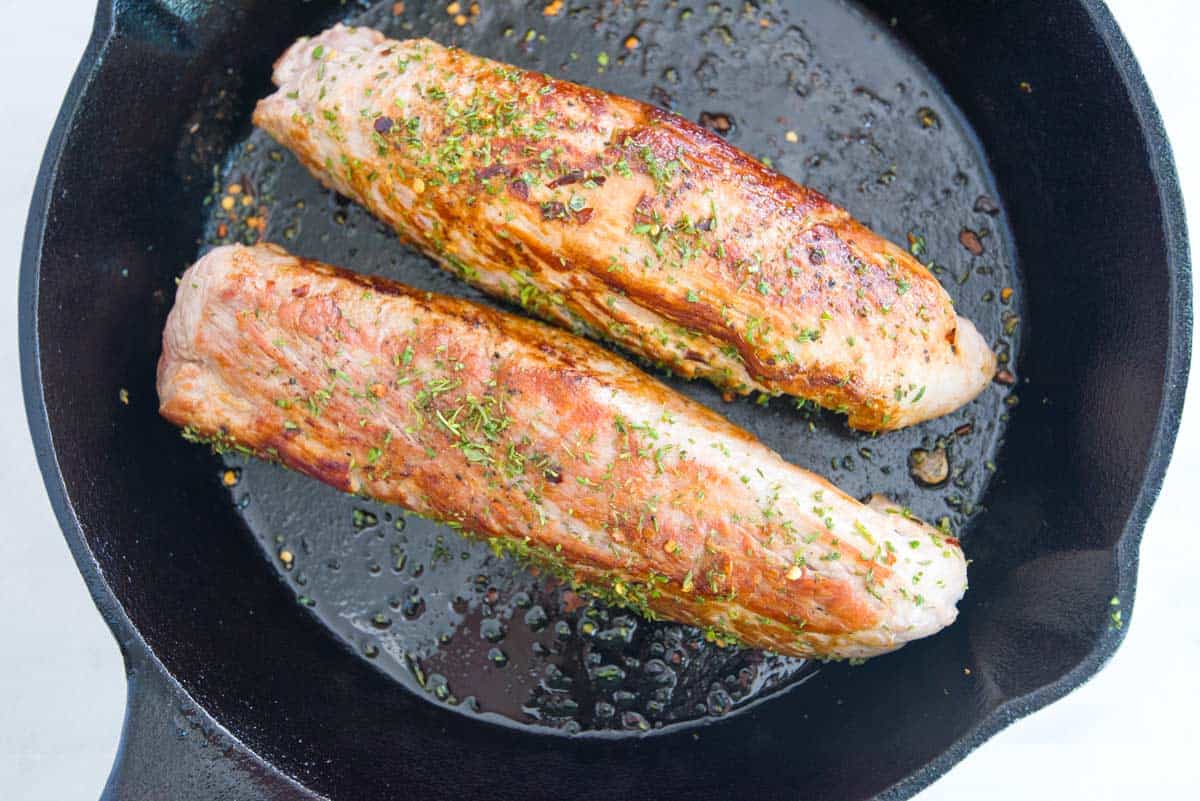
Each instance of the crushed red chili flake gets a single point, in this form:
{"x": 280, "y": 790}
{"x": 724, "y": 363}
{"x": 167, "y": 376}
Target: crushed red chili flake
{"x": 717, "y": 122}
{"x": 583, "y": 215}
{"x": 964, "y": 430}
{"x": 1005, "y": 377}
{"x": 971, "y": 241}
{"x": 491, "y": 170}
{"x": 573, "y": 177}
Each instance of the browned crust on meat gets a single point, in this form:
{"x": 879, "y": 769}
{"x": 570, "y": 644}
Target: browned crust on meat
{"x": 423, "y": 400}
{"x": 721, "y": 268}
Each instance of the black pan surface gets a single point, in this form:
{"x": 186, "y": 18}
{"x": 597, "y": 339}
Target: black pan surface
{"x": 369, "y": 662}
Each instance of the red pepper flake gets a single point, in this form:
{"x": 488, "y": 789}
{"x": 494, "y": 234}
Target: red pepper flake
{"x": 971, "y": 241}
{"x": 397, "y": 9}
{"x": 717, "y": 121}
{"x": 573, "y": 177}
{"x": 491, "y": 170}
{"x": 964, "y": 430}
{"x": 1005, "y": 377}
{"x": 583, "y": 215}
{"x": 300, "y": 291}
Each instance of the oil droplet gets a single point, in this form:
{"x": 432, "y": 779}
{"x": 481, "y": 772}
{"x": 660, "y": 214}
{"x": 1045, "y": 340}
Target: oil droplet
{"x": 413, "y": 606}
{"x": 536, "y": 618}
{"x": 608, "y": 675}
{"x": 719, "y": 701}
{"x": 491, "y": 630}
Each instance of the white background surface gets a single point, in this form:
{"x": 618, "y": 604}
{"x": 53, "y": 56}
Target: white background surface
{"x": 1131, "y": 732}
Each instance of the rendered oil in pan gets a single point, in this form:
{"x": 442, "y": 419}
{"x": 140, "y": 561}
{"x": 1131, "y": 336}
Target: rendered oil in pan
{"x": 820, "y": 91}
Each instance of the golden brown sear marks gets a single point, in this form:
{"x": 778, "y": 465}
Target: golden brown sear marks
{"x": 549, "y": 447}
{"x": 626, "y": 223}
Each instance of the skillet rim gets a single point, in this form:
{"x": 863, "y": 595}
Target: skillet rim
{"x": 138, "y": 656}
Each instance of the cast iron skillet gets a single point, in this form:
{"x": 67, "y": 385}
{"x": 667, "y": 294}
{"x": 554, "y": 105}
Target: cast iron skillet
{"x": 237, "y": 691}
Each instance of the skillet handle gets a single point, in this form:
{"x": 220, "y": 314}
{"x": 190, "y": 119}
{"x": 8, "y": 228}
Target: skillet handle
{"x": 168, "y": 23}
{"x": 172, "y": 749}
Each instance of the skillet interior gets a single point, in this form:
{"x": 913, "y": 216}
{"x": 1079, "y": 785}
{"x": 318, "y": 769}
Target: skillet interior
{"x": 442, "y": 614}
{"x": 174, "y": 549}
